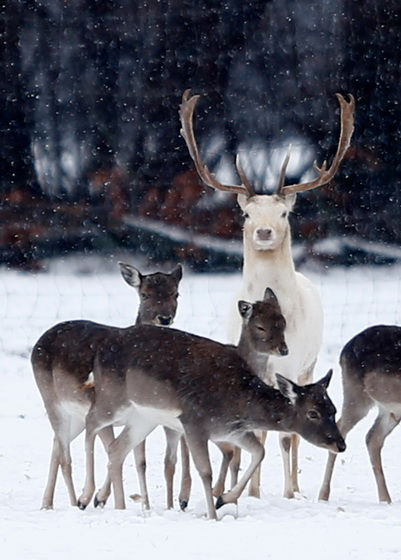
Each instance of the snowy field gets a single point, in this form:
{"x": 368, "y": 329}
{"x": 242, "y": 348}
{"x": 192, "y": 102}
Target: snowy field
{"x": 352, "y": 525}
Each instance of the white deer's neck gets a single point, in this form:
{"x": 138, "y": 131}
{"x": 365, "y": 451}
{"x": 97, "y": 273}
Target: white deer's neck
{"x": 270, "y": 268}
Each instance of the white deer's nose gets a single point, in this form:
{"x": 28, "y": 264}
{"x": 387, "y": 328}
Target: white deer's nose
{"x": 264, "y": 234}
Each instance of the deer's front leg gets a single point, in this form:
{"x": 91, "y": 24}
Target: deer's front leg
{"x": 382, "y": 427}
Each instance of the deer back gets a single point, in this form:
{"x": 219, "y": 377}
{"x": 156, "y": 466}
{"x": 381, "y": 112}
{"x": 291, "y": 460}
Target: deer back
{"x": 210, "y": 384}
{"x": 372, "y": 361}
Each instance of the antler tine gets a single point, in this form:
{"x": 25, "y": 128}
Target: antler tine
{"x": 186, "y": 112}
{"x": 325, "y": 175}
{"x": 284, "y": 171}
{"x": 243, "y": 177}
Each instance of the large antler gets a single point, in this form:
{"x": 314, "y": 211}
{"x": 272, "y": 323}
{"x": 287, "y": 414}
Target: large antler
{"x": 325, "y": 175}
{"x": 186, "y": 117}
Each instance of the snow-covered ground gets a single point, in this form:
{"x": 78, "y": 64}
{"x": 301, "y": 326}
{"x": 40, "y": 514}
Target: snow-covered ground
{"x": 351, "y": 525}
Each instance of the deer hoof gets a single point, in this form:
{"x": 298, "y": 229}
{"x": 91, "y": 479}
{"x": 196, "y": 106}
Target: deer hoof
{"x": 81, "y": 506}
{"x": 183, "y": 505}
{"x": 99, "y": 503}
{"x": 220, "y": 502}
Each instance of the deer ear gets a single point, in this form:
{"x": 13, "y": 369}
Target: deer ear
{"x": 325, "y": 381}
{"x": 287, "y": 388}
{"x": 269, "y": 294}
{"x": 289, "y": 201}
{"x": 242, "y": 201}
{"x": 245, "y": 309}
{"x": 131, "y": 275}
{"x": 177, "y": 273}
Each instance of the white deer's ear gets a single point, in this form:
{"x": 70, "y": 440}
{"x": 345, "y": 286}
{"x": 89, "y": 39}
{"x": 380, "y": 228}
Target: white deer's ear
{"x": 131, "y": 275}
{"x": 289, "y": 201}
{"x": 287, "y": 388}
{"x": 245, "y": 309}
{"x": 242, "y": 201}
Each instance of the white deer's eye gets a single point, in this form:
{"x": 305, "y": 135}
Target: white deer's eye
{"x": 284, "y": 214}
{"x": 245, "y": 215}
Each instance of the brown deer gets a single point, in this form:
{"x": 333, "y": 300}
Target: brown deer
{"x": 262, "y": 335}
{"x": 371, "y": 376}
{"x": 268, "y": 262}
{"x": 62, "y": 362}
{"x": 147, "y": 376}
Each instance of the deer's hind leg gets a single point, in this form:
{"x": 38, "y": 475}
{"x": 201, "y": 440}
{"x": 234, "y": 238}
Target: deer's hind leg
{"x": 382, "y": 427}
{"x": 66, "y": 429}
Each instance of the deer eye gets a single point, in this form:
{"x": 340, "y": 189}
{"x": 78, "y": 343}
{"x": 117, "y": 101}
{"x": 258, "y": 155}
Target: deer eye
{"x": 245, "y": 215}
{"x": 284, "y": 214}
{"x": 313, "y": 415}
{"x": 260, "y": 328}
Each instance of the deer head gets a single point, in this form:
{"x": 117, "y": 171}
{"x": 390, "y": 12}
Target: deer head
{"x": 263, "y": 326}
{"x": 266, "y": 215}
{"x": 158, "y": 294}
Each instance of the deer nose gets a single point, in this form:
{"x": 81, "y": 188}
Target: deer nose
{"x": 341, "y": 445}
{"x": 264, "y": 234}
{"x": 283, "y": 350}
{"x": 165, "y": 320}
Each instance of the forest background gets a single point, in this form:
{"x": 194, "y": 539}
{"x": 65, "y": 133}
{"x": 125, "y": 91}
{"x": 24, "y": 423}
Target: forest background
{"x": 90, "y": 152}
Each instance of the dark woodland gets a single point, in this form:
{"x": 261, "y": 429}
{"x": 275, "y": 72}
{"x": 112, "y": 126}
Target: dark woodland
{"x": 91, "y": 157}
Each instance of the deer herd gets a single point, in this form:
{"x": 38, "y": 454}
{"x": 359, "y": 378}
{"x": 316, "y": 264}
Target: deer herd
{"x": 94, "y": 377}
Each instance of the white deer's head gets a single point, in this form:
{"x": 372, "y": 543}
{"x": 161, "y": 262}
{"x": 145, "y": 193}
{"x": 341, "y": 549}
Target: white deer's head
{"x": 266, "y": 215}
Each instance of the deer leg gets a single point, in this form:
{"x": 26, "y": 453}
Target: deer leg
{"x": 254, "y": 486}
{"x": 228, "y": 453}
{"x": 96, "y": 423}
{"x": 285, "y": 446}
{"x": 48, "y": 495}
{"x": 89, "y": 485}
{"x": 186, "y": 481}
{"x": 249, "y": 442}
{"x": 198, "y": 445}
{"x": 382, "y": 427}
{"x": 356, "y": 405}
{"x": 140, "y": 463}
{"x": 131, "y": 436}
{"x": 235, "y": 466}
{"x": 294, "y": 461}
{"x": 66, "y": 429}
{"x": 170, "y": 460}
{"x": 107, "y": 437}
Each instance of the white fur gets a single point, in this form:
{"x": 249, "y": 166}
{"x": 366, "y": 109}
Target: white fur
{"x": 270, "y": 264}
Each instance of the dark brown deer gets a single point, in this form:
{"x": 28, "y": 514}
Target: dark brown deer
{"x": 158, "y": 293}
{"x": 371, "y": 376}
{"x": 262, "y": 335}
{"x": 268, "y": 262}
{"x": 147, "y": 376}
{"x": 62, "y": 362}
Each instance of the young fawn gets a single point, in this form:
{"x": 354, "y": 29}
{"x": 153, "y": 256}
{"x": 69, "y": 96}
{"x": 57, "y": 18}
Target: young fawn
{"x": 63, "y": 359}
{"x": 147, "y": 376}
{"x": 371, "y": 375}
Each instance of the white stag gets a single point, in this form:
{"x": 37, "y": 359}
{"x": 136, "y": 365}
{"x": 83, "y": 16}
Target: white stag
{"x": 268, "y": 262}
